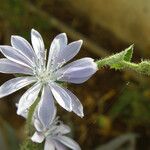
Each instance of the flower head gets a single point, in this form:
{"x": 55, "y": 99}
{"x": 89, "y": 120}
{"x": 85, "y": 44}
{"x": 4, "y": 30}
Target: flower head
{"x": 45, "y": 75}
{"x": 54, "y": 136}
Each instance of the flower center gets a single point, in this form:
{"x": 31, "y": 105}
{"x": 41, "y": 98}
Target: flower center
{"x": 45, "y": 77}
{"x": 41, "y": 73}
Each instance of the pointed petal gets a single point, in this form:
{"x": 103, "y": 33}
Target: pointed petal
{"x": 61, "y": 97}
{"x": 15, "y": 84}
{"x": 78, "y": 71}
{"x": 37, "y": 43}
{"x": 49, "y": 145}
{"x": 59, "y": 146}
{"x": 69, "y": 51}
{"x": 28, "y": 98}
{"x": 8, "y": 66}
{"x": 38, "y": 125}
{"x": 65, "y": 54}
{"x": 68, "y": 142}
{"x": 76, "y": 104}
{"x": 59, "y": 43}
{"x": 15, "y": 56}
{"x": 46, "y": 108}
{"x": 23, "y": 46}
{"x": 37, "y": 137}
{"x": 23, "y": 114}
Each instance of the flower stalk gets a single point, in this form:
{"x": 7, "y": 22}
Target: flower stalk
{"x": 115, "y": 61}
{"x": 29, "y": 124}
{"x": 28, "y": 144}
{"x": 122, "y": 61}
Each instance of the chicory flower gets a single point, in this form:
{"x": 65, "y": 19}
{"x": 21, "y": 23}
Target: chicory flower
{"x": 54, "y": 136}
{"x": 45, "y": 75}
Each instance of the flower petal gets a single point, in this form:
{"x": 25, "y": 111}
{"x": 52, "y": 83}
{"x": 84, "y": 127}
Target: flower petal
{"x": 59, "y": 43}
{"x": 78, "y": 71}
{"x": 14, "y": 85}
{"x": 38, "y": 44}
{"x": 24, "y": 114}
{"x": 76, "y": 104}
{"x": 8, "y": 66}
{"x": 61, "y": 97}
{"x": 37, "y": 124}
{"x": 68, "y": 52}
{"x": 15, "y": 56}
{"x": 59, "y": 146}
{"x": 67, "y": 99}
{"x": 46, "y": 108}
{"x": 49, "y": 144}
{"x": 37, "y": 137}
{"x": 68, "y": 142}
{"x": 63, "y": 129}
{"x": 23, "y": 46}
{"x": 28, "y": 98}
{"x": 60, "y": 52}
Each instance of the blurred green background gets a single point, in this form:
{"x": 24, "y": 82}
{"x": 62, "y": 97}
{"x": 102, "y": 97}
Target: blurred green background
{"x": 116, "y": 104}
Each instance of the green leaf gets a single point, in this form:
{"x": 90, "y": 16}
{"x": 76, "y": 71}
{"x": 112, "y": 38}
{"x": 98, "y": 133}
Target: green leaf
{"x": 128, "y": 53}
{"x": 116, "y": 61}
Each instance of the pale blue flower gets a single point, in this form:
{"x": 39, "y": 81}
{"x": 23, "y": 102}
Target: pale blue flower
{"x": 54, "y": 136}
{"x": 45, "y": 76}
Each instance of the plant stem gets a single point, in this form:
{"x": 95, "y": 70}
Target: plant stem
{"x": 29, "y": 126}
{"x": 28, "y": 144}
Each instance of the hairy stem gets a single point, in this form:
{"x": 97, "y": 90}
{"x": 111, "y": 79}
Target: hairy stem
{"x": 28, "y": 144}
{"x": 29, "y": 125}
{"x": 122, "y": 60}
